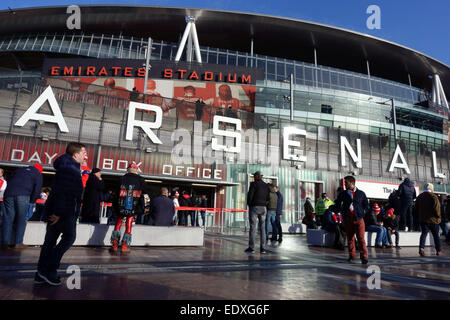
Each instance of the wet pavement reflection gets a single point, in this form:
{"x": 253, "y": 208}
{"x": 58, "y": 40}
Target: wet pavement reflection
{"x": 221, "y": 269}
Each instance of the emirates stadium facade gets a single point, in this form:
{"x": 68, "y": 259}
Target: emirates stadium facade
{"x": 304, "y": 103}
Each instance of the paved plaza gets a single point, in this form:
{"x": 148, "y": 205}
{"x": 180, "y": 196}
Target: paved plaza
{"x": 221, "y": 270}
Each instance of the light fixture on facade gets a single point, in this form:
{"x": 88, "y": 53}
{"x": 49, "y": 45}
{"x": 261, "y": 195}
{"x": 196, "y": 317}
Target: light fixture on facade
{"x": 149, "y": 150}
{"x": 204, "y": 185}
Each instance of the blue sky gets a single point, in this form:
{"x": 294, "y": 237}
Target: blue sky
{"x": 418, "y": 24}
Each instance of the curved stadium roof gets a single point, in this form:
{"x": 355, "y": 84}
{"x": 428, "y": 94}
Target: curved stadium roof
{"x": 273, "y": 36}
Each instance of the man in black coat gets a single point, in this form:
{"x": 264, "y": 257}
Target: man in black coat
{"x": 61, "y": 210}
{"x": 257, "y": 200}
{"x": 186, "y": 201}
{"x": 162, "y": 209}
{"x": 93, "y": 195}
{"x": 407, "y": 194}
{"x": 353, "y": 205}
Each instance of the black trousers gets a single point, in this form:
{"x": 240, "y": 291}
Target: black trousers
{"x": 406, "y": 216}
{"x": 52, "y": 253}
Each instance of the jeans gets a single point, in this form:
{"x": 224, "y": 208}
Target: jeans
{"x": 270, "y": 221}
{"x": 192, "y": 215}
{"x": 2, "y": 211}
{"x": 30, "y": 211}
{"x": 434, "y": 228}
{"x": 52, "y": 253}
{"x": 257, "y": 213}
{"x": 181, "y": 218}
{"x": 389, "y": 237}
{"x": 15, "y": 210}
{"x": 276, "y": 228}
{"x": 197, "y": 213}
{"x": 381, "y": 234}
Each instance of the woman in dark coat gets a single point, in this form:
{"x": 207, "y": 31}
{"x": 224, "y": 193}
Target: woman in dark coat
{"x": 93, "y": 195}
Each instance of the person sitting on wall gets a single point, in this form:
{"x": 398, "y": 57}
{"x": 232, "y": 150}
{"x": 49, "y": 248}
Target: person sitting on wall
{"x": 310, "y": 217}
{"x": 391, "y": 223}
{"x": 372, "y": 225}
{"x": 162, "y": 210}
{"x": 333, "y": 222}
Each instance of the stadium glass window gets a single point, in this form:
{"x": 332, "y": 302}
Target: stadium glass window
{"x": 308, "y": 76}
{"x": 289, "y": 69}
{"x": 261, "y": 63}
{"x": 325, "y": 79}
{"x": 280, "y": 70}
{"x": 165, "y": 53}
{"x": 231, "y": 60}
{"x": 212, "y": 57}
{"x": 349, "y": 81}
{"x": 357, "y": 81}
{"x": 270, "y": 67}
{"x": 341, "y": 80}
{"x": 242, "y": 61}
{"x": 299, "y": 75}
{"x": 222, "y": 58}
{"x": 204, "y": 55}
{"x": 325, "y": 108}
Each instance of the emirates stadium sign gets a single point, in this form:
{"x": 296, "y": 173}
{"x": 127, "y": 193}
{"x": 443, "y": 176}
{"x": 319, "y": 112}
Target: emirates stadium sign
{"x": 160, "y": 69}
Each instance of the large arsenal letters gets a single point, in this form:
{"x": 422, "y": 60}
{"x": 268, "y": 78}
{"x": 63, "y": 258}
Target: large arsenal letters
{"x": 397, "y": 161}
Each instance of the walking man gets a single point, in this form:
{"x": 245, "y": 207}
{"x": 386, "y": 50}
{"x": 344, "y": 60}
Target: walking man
{"x": 428, "y": 210}
{"x": 257, "y": 199}
{"x": 353, "y": 205}
{"x": 61, "y": 210}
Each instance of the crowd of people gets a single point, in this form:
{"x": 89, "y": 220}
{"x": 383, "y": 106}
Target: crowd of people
{"x": 265, "y": 206}
{"x": 351, "y": 214}
{"x": 22, "y": 199}
{"x": 77, "y": 192}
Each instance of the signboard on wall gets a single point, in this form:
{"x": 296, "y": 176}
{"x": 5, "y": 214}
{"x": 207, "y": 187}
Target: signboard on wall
{"x": 29, "y": 150}
{"x": 379, "y": 190}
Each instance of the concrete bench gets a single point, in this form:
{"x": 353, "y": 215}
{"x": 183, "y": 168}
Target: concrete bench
{"x": 322, "y": 238}
{"x": 99, "y": 235}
